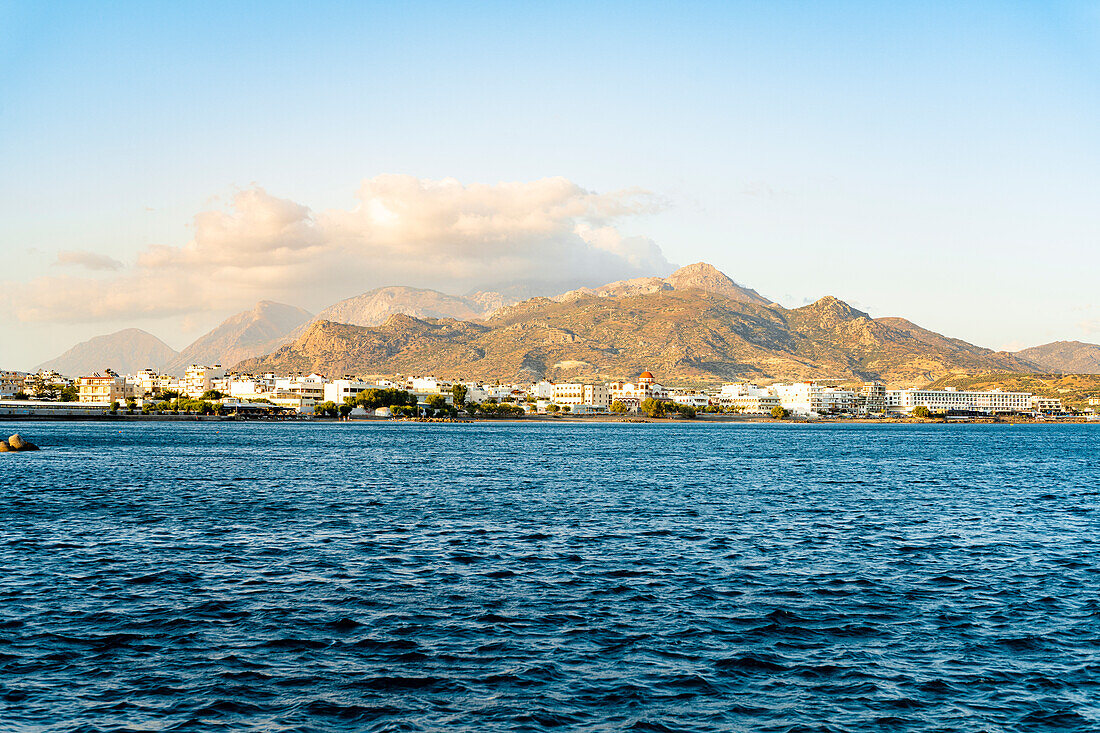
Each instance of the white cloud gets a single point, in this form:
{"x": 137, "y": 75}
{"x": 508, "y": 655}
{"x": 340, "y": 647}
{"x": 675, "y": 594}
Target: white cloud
{"x": 404, "y": 230}
{"x": 89, "y": 260}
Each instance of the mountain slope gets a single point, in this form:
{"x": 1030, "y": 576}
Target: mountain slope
{"x": 241, "y": 336}
{"x": 126, "y": 351}
{"x": 1070, "y": 357}
{"x": 691, "y": 335}
{"x": 375, "y": 306}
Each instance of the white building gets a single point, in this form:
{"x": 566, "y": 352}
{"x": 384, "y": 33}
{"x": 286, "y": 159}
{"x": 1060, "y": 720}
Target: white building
{"x": 798, "y": 397}
{"x": 831, "y": 399}
{"x": 872, "y": 397}
{"x": 543, "y": 390}
{"x": 1046, "y": 404}
{"x": 749, "y": 398}
{"x": 592, "y": 395}
{"x": 148, "y": 382}
{"x": 698, "y": 400}
{"x": 633, "y": 394}
{"x": 951, "y": 399}
{"x": 311, "y": 388}
{"x": 429, "y": 385}
{"x": 198, "y": 379}
{"x": 475, "y": 392}
{"x": 339, "y": 389}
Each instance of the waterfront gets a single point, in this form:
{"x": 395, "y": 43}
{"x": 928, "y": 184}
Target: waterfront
{"x": 487, "y": 576}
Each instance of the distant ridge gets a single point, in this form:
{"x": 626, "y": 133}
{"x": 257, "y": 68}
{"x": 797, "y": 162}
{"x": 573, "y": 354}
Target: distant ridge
{"x": 1067, "y": 357}
{"x": 373, "y": 307}
{"x": 249, "y": 333}
{"x": 699, "y": 276}
{"x": 697, "y": 326}
{"x": 126, "y": 351}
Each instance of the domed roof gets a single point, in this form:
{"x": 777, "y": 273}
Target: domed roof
{"x": 646, "y": 375}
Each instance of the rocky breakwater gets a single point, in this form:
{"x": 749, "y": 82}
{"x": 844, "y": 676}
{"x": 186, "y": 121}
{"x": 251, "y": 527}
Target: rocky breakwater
{"x": 16, "y": 443}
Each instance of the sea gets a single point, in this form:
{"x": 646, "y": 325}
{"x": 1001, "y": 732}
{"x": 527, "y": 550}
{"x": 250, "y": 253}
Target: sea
{"x": 550, "y": 577}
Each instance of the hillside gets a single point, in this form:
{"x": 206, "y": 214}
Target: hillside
{"x": 244, "y": 335}
{"x": 690, "y": 336}
{"x": 126, "y": 351}
{"x": 1073, "y": 389}
{"x": 375, "y": 306}
{"x": 1069, "y": 357}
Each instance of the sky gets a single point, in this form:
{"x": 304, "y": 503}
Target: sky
{"x": 165, "y": 165}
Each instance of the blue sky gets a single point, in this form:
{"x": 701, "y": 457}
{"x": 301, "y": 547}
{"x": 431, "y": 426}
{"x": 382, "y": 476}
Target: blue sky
{"x": 926, "y": 160}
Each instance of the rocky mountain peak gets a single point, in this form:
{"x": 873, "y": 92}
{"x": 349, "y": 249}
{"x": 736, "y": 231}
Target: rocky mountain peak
{"x": 708, "y": 278}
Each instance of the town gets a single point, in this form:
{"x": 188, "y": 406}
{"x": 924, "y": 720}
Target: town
{"x": 213, "y": 390}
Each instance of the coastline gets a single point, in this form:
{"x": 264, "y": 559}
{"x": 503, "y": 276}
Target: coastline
{"x": 704, "y": 419}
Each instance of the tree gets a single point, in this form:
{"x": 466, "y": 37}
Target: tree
{"x": 69, "y": 393}
{"x": 322, "y": 409}
{"x": 618, "y": 407}
{"x": 114, "y": 407}
{"x": 20, "y": 395}
{"x": 552, "y": 408}
{"x": 779, "y": 412}
{"x": 652, "y": 407}
{"x": 459, "y": 392}
{"x": 345, "y": 409}
{"x": 922, "y": 412}
{"x": 437, "y": 402}
{"x": 212, "y": 394}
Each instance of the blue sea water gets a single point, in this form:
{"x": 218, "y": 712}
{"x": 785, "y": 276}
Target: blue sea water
{"x": 516, "y": 577}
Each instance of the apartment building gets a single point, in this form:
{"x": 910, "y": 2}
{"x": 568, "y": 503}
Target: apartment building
{"x": 593, "y": 395}
{"x": 103, "y": 389}
{"x": 198, "y": 379}
{"x": 950, "y": 399}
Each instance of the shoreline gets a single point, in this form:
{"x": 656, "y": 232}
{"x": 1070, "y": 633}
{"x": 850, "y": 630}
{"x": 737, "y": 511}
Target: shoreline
{"x": 710, "y": 419}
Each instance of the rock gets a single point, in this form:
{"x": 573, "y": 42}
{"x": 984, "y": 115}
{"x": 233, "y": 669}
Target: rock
{"x": 16, "y": 443}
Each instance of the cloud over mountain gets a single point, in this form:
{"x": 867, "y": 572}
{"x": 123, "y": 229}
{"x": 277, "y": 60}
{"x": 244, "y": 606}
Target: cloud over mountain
{"x": 90, "y": 260}
{"x": 406, "y": 230}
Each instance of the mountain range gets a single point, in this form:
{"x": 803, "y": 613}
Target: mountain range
{"x": 696, "y": 326}
{"x": 126, "y": 351}
{"x": 1069, "y": 357}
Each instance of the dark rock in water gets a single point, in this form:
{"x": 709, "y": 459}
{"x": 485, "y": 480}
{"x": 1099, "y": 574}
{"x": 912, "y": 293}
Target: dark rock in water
{"x": 17, "y": 443}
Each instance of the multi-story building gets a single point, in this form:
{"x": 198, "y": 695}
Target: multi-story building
{"x": 633, "y": 394}
{"x": 797, "y": 397}
{"x": 872, "y": 397}
{"x": 1046, "y": 405}
{"x": 543, "y": 390}
{"x": 311, "y": 389}
{"x": 748, "y": 398}
{"x": 103, "y": 389}
{"x": 339, "y": 390}
{"x": 11, "y": 383}
{"x": 698, "y": 400}
{"x": 954, "y": 400}
{"x": 147, "y": 383}
{"x": 198, "y": 379}
{"x": 430, "y": 385}
{"x": 592, "y": 395}
{"x": 833, "y": 400}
